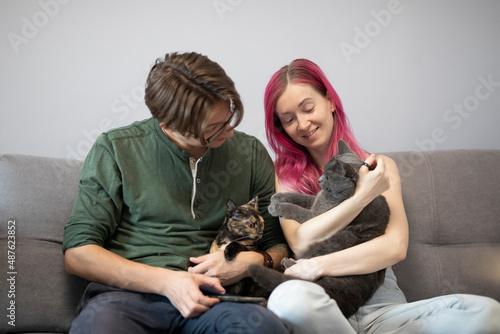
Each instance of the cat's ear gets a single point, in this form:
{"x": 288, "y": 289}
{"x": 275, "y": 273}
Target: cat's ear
{"x": 342, "y": 147}
{"x": 348, "y": 170}
{"x": 254, "y": 202}
{"x": 230, "y": 205}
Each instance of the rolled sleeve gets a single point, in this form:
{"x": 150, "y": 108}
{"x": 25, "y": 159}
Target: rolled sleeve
{"x": 97, "y": 208}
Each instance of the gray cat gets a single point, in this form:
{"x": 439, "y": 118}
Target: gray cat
{"x": 338, "y": 183}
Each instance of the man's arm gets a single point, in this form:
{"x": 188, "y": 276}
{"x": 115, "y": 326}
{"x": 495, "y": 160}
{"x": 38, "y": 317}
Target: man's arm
{"x": 229, "y": 272}
{"x": 97, "y": 264}
{"x": 278, "y": 252}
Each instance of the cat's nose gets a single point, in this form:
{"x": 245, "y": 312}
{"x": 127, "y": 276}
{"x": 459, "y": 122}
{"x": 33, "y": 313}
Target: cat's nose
{"x": 321, "y": 178}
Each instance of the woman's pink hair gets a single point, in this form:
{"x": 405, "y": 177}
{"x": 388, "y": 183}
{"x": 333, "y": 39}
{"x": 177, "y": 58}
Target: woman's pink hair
{"x": 294, "y": 165}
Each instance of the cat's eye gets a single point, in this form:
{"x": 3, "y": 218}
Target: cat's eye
{"x": 251, "y": 225}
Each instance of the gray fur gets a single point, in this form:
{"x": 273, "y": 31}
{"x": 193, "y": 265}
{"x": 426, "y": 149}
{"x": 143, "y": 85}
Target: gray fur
{"x": 338, "y": 183}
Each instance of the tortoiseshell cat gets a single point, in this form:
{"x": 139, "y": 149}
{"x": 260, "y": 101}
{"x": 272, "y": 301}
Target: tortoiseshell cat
{"x": 338, "y": 183}
{"x": 242, "y": 228}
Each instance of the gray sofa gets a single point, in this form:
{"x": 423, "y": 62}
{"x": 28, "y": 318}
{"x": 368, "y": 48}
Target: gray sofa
{"x": 452, "y": 199}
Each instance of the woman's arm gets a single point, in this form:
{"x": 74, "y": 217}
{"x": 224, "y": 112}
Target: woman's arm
{"x": 370, "y": 185}
{"x": 373, "y": 255}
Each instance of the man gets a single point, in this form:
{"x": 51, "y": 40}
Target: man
{"x": 152, "y": 198}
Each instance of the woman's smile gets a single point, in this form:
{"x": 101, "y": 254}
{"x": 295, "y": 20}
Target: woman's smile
{"x": 310, "y": 133}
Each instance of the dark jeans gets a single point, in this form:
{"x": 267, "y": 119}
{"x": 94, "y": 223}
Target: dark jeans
{"x": 105, "y": 309}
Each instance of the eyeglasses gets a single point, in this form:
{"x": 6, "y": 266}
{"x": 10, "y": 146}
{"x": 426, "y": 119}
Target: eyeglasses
{"x": 230, "y": 121}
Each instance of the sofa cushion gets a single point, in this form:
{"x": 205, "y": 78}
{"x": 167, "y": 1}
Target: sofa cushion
{"x": 37, "y": 194}
{"x": 452, "y": 200}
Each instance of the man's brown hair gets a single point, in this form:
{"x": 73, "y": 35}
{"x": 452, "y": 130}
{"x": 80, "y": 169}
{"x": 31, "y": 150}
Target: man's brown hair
{"x": 182, "y": 90}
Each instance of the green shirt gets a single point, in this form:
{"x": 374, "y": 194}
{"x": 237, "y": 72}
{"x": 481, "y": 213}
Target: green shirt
{"x": 145, "y": 199}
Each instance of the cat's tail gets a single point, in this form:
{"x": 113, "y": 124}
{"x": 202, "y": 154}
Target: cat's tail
{"x": 267, "y": 278}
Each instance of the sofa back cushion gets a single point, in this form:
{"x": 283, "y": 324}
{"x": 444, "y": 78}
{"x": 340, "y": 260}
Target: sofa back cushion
{"x": 452, "y": 200}
{"x": 36, "y": 198}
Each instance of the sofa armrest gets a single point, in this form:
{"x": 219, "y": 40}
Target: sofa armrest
{"x": 452, "y": 200}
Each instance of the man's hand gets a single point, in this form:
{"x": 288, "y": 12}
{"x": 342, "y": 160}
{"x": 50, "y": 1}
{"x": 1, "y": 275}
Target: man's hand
{"x": 93, "y": 263}
{"x": 229, "y": 272}
{"x": 183, "y": 291}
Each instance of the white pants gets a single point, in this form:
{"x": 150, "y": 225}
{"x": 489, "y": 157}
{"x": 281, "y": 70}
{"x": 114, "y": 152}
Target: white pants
{"x": 307, "y": 307}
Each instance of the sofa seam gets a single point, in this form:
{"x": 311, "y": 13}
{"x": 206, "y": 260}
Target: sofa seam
{"x": 432, "y": 197}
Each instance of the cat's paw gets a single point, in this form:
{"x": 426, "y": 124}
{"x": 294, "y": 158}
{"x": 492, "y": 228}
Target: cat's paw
{"x": 229, "y": 256}
{"x": 279, "y": 197}
{"x": 287, "y": 263}
{"x": 232, "y": 250}
{"x": 272, "y": 209}
{"x": 276, "y": 209}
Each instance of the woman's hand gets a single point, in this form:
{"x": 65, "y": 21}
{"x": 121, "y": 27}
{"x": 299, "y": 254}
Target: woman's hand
{"x": 372, "y": 183}
{"x": 307, "y": 269}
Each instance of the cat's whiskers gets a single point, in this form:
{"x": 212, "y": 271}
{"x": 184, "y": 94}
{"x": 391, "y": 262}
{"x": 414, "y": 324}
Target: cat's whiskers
{"x": 242, "y": 238}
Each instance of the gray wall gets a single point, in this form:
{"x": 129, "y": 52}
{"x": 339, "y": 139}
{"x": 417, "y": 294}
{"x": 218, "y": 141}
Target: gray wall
{"x": 413, "y": 75}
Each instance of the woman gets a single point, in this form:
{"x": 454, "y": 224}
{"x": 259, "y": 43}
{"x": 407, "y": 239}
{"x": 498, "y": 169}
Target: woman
{"x": 304, "y": 121}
